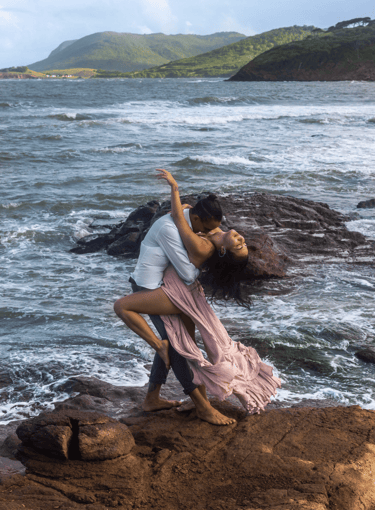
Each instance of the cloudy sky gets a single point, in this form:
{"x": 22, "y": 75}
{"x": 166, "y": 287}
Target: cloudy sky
{"x": 31, "y": 29}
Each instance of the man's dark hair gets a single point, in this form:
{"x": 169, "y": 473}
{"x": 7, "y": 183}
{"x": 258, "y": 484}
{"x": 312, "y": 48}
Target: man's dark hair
{"x": 208, "y": 208}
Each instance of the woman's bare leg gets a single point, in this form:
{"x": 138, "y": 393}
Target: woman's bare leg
{"x": 152, "y": 302}
{"x": 156, "y": 302}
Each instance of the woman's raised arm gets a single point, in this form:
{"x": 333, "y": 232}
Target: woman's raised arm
{"x": 199, "y": 249}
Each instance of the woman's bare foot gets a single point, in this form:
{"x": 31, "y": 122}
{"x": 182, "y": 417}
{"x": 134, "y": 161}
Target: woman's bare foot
{"x": 163, "y": 353}
{"x": 159, "y": 404}
{"x": 213, "y": 416}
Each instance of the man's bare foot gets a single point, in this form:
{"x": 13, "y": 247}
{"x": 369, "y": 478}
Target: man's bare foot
{"x": 186, "y": 405}
{"x": 213, "y": 416}
{"x": 159, "y": 404}
{"x": 163, "y": 353}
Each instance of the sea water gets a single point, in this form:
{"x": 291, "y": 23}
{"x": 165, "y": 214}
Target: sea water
{"x": 75, "y": 151}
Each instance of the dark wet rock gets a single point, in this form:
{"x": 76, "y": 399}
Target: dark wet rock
{"x": 366, "y": 354}
{"x": 72, "y": 434}
{"x": 93, "y": 243}
{"x": 127, "y": 245}
{"x": 9, "y": 446}
{"x": 137, "y": 222}
{"x": 366, "y": 204}
{"x": 280, "y": 231}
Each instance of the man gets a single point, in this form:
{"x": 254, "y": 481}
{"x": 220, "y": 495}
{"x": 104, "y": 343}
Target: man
{"x": 161, "y": 246}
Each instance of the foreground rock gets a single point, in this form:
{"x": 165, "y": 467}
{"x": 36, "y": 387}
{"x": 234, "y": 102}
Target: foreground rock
{"x": 280, "y": 231}
{"x": 286, "y": 459}
{"x": 74, "y": 435}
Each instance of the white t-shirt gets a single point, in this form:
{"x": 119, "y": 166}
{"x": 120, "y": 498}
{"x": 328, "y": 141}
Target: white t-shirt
{"x": 161, "y": 246}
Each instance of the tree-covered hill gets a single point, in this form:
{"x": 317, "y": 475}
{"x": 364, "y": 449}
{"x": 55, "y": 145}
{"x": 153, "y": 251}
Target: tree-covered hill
{"x": 342, "y": 53}
{"x": 227, "y": 60}
{"x": 113, "y": 51}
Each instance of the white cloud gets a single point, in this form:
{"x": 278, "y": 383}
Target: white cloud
{"x": 189, "y": 24}
{"x": 144, "y": 30}
{"x": 159, "y": 14}
{"x": 6, "y": 18}
{"x": 230, "y": 24}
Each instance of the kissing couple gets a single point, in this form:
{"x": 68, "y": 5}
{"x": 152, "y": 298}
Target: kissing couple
{"x": 176, "y": 250}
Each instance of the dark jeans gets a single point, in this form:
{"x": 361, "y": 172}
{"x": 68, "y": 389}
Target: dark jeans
{"x": 179, "y": 364}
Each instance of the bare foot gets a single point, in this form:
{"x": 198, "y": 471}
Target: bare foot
{"x": 158, "y": 404}
{"x": 163, "y": 353}
{"x": 213, "y": 416}
{"x": 186, "y": 405}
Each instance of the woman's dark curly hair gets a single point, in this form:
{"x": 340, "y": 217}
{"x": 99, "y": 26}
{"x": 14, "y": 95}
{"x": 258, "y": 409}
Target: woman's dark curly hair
{"x": 222, "y": 275}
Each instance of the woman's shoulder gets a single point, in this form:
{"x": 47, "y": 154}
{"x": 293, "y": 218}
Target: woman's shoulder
{"x": 207, "y": 244}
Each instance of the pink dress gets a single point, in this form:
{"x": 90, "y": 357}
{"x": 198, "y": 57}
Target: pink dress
{"x": 232, "y": 367}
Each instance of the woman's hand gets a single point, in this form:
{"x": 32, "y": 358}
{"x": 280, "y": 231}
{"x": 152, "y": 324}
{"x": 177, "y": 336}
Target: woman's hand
{"x": 164, "y": 174}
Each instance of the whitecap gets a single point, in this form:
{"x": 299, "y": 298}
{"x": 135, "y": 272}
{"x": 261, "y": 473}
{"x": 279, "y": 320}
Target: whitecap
{"x": 222, "y": 160}
{"x": 11, "y": 205}
{"x": 364, "y": 226}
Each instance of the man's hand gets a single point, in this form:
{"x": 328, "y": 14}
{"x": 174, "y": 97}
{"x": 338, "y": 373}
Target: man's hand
{"x": 164, "y": 174}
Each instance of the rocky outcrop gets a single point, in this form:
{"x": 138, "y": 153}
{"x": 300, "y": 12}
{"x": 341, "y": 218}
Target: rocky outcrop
{"x": 301, "y": 458}
{"x": 279, "y": 230}
{"x": 366, "y": 204}
{"x": 366, "y": 354}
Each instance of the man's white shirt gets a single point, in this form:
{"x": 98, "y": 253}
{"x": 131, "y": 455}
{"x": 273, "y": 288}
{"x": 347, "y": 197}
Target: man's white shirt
{"x": 161, "y": 246}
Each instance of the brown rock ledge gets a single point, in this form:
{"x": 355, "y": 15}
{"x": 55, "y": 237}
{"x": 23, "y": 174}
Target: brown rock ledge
{"x": 283, "y": 459}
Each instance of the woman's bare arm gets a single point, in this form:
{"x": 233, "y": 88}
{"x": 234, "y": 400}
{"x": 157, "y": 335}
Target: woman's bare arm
{"x": 199, "y": 249}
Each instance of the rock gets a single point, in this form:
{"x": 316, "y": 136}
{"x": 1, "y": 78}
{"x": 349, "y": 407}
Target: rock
{"x": 127, "y": 246}
{"x": 9, "y": 468}
{"x": 9, "y": 446}
{"x": 283, "y": 459}
{"x": 366, "y": 204}
{"x": 280, "y": 231}
{"x": 93, "y": 243}
{"x": 71, "y": 434}
{"x": 366, "y": 354}
{"x": 104, "y": 441}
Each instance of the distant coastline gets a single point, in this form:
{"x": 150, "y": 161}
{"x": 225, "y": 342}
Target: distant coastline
{"x": 298, "y": 53}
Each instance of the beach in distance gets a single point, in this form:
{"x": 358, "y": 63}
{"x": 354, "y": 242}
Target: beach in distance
{"x": 75, "y": 152}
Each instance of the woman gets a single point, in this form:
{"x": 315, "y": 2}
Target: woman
{"x": 232, "y": 367}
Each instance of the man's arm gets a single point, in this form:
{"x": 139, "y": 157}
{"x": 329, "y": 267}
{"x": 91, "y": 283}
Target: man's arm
{"x": 170, "y": 242}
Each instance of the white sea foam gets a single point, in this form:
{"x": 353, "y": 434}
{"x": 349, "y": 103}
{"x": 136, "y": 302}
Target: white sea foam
{"x": 218, "y": 160}
{"x": 119, "y": 150}
{"x": 364, "y": 226}
{"x": 11, "y": 205}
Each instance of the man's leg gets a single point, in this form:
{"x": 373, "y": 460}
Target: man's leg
{"x": 159, "y": 371}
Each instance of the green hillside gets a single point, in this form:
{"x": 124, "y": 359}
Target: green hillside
{"x": 113, "y": 51}
{"x": 338, "y": 54}
{"x": 227, "y": 60}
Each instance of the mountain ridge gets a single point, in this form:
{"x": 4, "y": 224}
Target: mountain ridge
{"x": 224, "y": 61}
{"x": 125, "y": 52}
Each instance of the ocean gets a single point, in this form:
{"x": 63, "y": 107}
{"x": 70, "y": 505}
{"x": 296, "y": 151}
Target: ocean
{"x": 75, "y": 151}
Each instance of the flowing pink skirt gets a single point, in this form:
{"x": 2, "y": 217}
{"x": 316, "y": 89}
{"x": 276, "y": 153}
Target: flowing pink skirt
{"x": 231, "y": 366}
